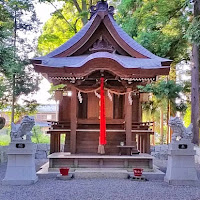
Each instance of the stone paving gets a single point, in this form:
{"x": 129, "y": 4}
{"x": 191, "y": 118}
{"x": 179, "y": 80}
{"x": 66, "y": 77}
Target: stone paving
{"x": 98, "y": 189}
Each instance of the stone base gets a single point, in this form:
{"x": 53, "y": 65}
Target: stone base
{"x": 21, "y": 164}
{"x": 19, "y": 182}
{"x": 181, "y": 166}
{"x": 182, "y": 182}
{"x": 64, "y": 178}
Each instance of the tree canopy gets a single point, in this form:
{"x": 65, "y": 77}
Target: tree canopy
{"x": 16, "y": 75}
{"x": 160, "y": 26}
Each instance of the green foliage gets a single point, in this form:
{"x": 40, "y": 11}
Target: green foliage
{"x": 4, "y": 140}
{"x": 39, "y": 136}
{"x": 159, "y": 25}
{"x": 16, "y": 75}
{"x": 166, "y": 90}
{"x": 187, "y": 116}
{"x": 60, "y": 28}
{"x": 5, "y": 137}
{"x": 64, "y": 24}
{"x": 193, "y": 32}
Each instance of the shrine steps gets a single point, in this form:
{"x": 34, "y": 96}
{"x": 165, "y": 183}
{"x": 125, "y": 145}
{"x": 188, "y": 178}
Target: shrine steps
{"x": 88, "y": 173}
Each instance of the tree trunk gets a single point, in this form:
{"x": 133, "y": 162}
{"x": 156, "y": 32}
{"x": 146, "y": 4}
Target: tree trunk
{"x": 153, "y": 129}
{"x": 13, "y": 81}
{"x": 84, "y": 9}
{"x": 161, "y": 125}
{"x": 13, "y": 100}
{"x": 195, "y": 82}
{"x": 195, "y": 93}
{"x": 168, "y": 116}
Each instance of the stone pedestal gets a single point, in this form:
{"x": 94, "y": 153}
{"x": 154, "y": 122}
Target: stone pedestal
{"x": 21, "y": 163}
{"x": 181, "y": 166}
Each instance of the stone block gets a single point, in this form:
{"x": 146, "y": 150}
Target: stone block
{"x": 21, "y": 164}
{"x": 3, "y": 154}
{"x": 42, "y": 147}
{"x": 65, "y": 178}
{"x": 40, "y": 154}
{"x": 156, "y": 154}
{"x": 48, "y": 147}
{"x": 181, "y": 166}
{"x": 163, "y": 156}
{"x": 152, "y": 148}
{"x": 157, "y": 148}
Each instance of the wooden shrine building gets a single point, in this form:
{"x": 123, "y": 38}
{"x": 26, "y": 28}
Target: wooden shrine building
{"x": 101, "y": 49}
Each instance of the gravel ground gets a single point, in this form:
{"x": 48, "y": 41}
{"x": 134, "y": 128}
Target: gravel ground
{"x": 98, "y": 189}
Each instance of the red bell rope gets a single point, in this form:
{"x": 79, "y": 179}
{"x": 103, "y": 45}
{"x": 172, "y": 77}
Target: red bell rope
{"x": 102, "y": 115}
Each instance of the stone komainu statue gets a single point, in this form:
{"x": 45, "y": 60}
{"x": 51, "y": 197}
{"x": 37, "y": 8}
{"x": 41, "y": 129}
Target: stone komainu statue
{"x": 19, "y": 130}
{"x": 179, "y": 130}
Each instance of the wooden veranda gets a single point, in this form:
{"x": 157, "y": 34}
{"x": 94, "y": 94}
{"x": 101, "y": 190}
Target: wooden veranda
{"x": 87, "y": 133}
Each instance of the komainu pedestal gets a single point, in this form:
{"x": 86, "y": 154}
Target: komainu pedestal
{"x": 21, "y": 155}
{"x": 21, "y": 164}
{"x": 181, "y": 165}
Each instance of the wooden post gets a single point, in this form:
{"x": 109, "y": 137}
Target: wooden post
{"x": 138, "y": 142}
{"x": 139, "y": 111}
{"x": 144, "y": 143}
{"x": 148, "y": 146}
{"x": 54, "y": 142}
{"x": 73, "y": 120}
{"x": 128, "y": 119}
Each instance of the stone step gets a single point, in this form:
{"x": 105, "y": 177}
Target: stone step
{"x": 84, "y": 173}
{"x": 100, "y": 173}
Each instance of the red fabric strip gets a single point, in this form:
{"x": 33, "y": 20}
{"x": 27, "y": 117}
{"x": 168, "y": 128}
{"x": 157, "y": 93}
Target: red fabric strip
{"x": 102, "y": 115}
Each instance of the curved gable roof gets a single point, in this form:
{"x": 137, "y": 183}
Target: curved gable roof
{"x": 139, "y": 57}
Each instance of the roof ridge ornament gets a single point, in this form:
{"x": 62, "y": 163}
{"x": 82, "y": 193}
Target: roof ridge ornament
{"x": 102, "y": 45}
{"x": 101, "y": 6}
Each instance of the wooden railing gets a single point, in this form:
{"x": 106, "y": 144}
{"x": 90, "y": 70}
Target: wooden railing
{"x": 141, "y": 130}
{"x": 94, "y": 124}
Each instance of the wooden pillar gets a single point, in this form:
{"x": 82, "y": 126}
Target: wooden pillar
{"x": 144, "y": 143}
{"x": 138, "y": 142}
{"x": 148, "y": 146}
{"x": 128, "y": 119}
{"x": 139, "y": 111}
{"x": 54, "y": 142}
{"x": 73, "y": 120}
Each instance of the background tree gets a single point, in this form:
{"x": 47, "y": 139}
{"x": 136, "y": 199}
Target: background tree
{"x": 64, "y": 23}
{"x": 165, "y": 92}
{"x": 161, "y": 26}
{"x": 194, "y": 35}
{"x": 16, "y": 19}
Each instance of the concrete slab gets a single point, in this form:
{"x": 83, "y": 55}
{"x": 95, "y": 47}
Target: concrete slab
{"x": 83, "y": 173}
{"x": 155, "y": 175}
{"x": 100, "y": 173}
{"x": 70, "y": 176}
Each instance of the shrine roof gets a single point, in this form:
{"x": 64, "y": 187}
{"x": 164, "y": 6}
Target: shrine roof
{"x": 101, "y": 39}
{"x": 125, "y": 61}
